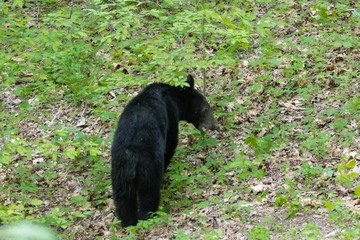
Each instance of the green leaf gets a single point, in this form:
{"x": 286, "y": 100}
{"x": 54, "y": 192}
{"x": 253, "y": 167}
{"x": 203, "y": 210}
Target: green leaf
{"x": 228, "y": 23}
{"x": 82, "y": 34}
{"x": 353, "y": 175}
{"x": 252, "y": 141}
{"x": 202, "y": 205}
{"x": 36, "y": 202}
{"x": 18, "y": 3}
{"x": 340, "y": 123}
{"x": 21, "y": 150}
{"x": 356, "y": 14}
{"x": 25, "y": 106}
{"x": 5, "y": 159}
{"x": 281, "y": 200}
{"x": 94, "y": 152}
{"x": 351, "y": 164}
{"x": 256, "y": 87}
{"x": 347, "y": 44}
{"x": 233, "y": 165}
{"x": 208, "y": 142}
{"x": 71, "y": 153}
{"x": 329, "y": 205}
{"x": 357, "y": 191}
{"x": 215, "y": 16}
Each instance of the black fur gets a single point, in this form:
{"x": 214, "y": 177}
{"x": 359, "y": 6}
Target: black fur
{"x": 145, "y": 141}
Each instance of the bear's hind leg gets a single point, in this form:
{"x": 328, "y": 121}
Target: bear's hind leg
{"x": 126, "y": 207}
{"x": 149, "y": 195}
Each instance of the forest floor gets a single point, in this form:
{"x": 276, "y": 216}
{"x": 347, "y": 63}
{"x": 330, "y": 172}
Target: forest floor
{"x": 284, "y": 164}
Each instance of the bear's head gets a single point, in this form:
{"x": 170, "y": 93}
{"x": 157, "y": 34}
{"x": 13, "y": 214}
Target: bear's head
{"x": 198, "y": 111}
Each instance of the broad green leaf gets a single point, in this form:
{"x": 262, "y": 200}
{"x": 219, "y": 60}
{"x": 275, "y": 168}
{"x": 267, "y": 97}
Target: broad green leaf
{"x": 25, "y": 105}
{"x": 340, "y": 123}
{"x": 208, "y": 142}
{"x": 55, "y": 45}
{"x": 5, "y": 159}
{"x": 94, "y": 152}
{"x": 36, "y": 202}
{"x": 82, "y": 34}
{"x": 252, "y": 141}
{"x": 21, "y": 150}
{"x": 351, "y": 164}
{"x": 347, "y": 44}
{"x": 357, "y": 191}
{"x": 329, "y": 205}
{"x": 356, "y": 14}
{"x": 353, "y": 175}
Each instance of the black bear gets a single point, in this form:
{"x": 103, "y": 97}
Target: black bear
{"x": 145, "y": 141}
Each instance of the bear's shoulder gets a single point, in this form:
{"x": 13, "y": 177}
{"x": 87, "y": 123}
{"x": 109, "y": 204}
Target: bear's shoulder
{"x": 156, "y": 87}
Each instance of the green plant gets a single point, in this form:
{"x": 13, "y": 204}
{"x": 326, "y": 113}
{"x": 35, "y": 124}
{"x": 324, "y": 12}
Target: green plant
{"x": 311, "y": 231}
{"x": 346, "y": 175}
{"x": 244, "y": 168}
{"x": 259, "y": 232}
{"x": 282, "y": 77}
{"x": 316, "y": 143}
{"x": 12, "y": 212}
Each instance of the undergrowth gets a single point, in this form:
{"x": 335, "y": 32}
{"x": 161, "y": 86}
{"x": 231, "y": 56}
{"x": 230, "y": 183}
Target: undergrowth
{"x": 283, "y": 80}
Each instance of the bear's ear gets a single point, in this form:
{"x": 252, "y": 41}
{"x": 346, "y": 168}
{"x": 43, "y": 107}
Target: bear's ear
{"x": 190, "y": 81}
